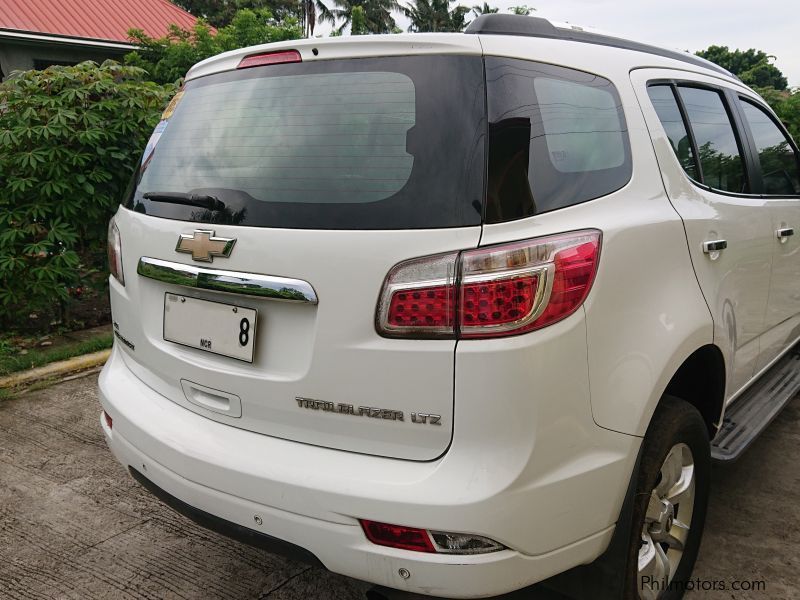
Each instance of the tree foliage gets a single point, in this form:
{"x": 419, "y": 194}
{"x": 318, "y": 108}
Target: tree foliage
{"x": 752, "y": 66}
{"x": 436, "y": 15}
{"x": 312, "y": 12}
{"x": 221, "y": 13}
{"x": 786, "y": 105}
{"x": 523, "y": 10}
{"x": 69, "y": 141}
{"x": 169, "y": 58}
{"x": 484, "y": 9}
{"x": 366, "y": 16}
{"x": 358, "y": 23}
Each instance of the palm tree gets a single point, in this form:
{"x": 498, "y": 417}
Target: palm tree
{"x": 377, "y": 14}
{"x": 435, "y": 15}
{"x": 479, "y": 10}
{"x": 522, "y": 9}
{"x": 313, "y": 12}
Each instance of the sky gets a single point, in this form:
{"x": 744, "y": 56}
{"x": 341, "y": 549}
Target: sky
{"x": 769, "y": 25}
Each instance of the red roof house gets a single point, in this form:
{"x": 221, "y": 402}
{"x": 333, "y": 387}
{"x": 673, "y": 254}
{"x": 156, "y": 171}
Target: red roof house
{"x": 39, "y": 33}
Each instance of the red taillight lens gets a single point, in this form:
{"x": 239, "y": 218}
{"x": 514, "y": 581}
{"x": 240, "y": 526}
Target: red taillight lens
{"x": 270, "y": 58}
{"x": 418, "y": 298}
{"x": 574, "y": 273}
{"x": 115, "y": 252}
{"x": 506, "y": 289}
{"x": 431, "y": 306}
{"x": 549, "y": 276}
{"x": 498, "y": 301}
{"x": 397, "y": 536}
{"x": 422, "y": 540}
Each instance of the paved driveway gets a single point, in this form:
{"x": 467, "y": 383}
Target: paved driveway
{"x": 73, "y": 524}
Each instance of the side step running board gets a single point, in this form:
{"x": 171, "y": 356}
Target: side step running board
{"x": 751, "y": 413}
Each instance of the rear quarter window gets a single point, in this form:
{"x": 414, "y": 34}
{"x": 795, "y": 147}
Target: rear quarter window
{"x": 669, "y": 113}
{"x": 557, "y": 137}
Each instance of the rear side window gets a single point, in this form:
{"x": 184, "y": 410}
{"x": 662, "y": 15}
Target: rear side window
{"x": 372, "y": 143}
{"x": 557, "y": 137}
{"x": 721, "y": 160}
{"x": 777, "y": 158}
{"x": 669, "y": 114}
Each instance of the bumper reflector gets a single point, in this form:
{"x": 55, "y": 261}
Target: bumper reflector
{"x": 423, "y": 540}
{"x": 108, "y": 419}
{"x": 397, "y": 536}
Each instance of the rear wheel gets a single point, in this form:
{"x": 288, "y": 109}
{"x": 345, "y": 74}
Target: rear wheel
{"x": 670, "y": 504}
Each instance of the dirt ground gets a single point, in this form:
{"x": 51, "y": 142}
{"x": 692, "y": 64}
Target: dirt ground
{"x": 73, "y": 524}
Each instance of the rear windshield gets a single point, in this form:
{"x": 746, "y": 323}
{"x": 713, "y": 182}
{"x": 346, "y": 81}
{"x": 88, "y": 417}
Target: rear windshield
{"x": 374, "y": 143}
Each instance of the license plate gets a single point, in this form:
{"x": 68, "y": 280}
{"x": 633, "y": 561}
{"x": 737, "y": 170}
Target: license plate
{"x": 224, "y": 329}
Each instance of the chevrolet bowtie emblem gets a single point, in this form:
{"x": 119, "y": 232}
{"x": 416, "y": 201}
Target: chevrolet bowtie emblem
{"x": 203, "y": 246}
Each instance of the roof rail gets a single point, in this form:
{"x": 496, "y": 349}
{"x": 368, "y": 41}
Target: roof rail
{"x": 494, "y": 24}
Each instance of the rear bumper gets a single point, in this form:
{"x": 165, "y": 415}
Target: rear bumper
{"x": 312, "y": 498}
{"x": 245, "y": 535}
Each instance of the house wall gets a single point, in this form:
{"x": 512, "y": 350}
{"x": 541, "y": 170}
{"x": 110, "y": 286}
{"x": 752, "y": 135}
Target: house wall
{"x": 20, "y": 56}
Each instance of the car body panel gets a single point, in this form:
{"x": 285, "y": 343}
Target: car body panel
{"x": 736, "y": 282}
{"x": 328, "y": 352}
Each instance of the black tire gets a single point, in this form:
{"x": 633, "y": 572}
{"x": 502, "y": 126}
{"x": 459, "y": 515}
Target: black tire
{"x": 674, "y": 422}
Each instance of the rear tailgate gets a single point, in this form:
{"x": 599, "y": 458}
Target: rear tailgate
{"x": 329, "y": 174}
{"x": 328, "y": 352}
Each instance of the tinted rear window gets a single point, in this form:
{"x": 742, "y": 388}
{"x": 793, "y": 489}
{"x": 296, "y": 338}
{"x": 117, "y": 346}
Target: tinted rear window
{"x": 557, "y": 137}
{"x": 378, "y": 143}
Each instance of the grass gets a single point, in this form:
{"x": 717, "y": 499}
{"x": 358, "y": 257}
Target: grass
{"x": 12, "y": 361}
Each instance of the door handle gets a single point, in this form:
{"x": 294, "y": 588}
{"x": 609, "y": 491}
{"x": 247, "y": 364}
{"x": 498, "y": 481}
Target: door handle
{"x": 714, "y": 246}
{"x": 784, "y": 233}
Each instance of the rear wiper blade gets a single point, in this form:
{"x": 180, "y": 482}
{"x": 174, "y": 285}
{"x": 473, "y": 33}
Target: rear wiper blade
{"x": 199, "y": 200}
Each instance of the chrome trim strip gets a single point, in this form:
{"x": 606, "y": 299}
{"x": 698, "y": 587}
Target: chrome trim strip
{"x": 271, "y": 287}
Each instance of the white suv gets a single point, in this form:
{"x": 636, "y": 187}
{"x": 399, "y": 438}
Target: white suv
{"x": 456, "y": 313}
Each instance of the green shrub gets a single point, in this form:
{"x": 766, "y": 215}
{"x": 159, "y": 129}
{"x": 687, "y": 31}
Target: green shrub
{"x": 168, "y": 59}
{"x": 70, "y": 138}
{"x": 786, "y": 105}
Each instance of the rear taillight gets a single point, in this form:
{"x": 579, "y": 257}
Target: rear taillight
{"x": 115, "y": 252}
{"x": 270, "y": 58}
{"x": 490, "y": 292}
{"x": 418, "y": 298}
